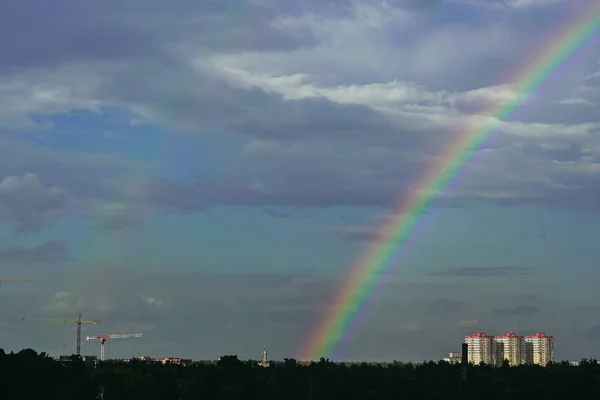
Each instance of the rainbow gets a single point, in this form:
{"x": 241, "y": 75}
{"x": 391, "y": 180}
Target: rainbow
{"x": 357, "y": 286}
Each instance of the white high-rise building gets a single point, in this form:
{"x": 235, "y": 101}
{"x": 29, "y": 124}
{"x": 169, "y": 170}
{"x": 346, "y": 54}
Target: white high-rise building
{"x": 511, "y": 349}
{"x": 480, "y": 348}
{"x": 539, "y": 349}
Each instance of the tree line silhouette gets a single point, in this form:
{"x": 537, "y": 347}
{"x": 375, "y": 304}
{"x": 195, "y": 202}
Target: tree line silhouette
{"x": 29, "y": 375}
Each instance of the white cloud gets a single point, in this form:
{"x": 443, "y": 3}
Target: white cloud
{"x": 377, "y": 95}
{"x": 593, "y": 76}
{"x": 151, "y": 301}
{"x": 24, "y": 95}
{"x": 576, "y": 101}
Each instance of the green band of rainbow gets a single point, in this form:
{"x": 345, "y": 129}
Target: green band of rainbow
{"x": 367, "y": 271}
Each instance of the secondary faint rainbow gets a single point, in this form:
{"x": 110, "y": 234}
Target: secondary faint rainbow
{"x": 130, "y": 191}
{"x": 355, "y": 289}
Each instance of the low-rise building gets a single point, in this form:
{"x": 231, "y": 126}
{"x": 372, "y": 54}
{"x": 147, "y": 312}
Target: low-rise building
{"x": 453, "y": 358}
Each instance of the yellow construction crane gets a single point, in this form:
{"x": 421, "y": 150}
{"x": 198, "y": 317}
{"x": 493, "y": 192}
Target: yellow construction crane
{"x": 78, "y": 321}
{"x": 15, "y": 280}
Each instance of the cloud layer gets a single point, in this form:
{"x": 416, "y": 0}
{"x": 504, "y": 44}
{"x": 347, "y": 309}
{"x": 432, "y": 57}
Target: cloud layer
{"x": 240, "y": 313}
{"x": 122, "y": 125}
{"x": 305, "y": 138}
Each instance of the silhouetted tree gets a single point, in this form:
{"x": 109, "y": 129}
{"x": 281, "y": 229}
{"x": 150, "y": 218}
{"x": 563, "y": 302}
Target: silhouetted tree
{"x": 229, "y": 361}
{"x": 29, "y": 375}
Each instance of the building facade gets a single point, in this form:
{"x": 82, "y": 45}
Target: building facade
{"x": 510, "y": 347}
{"x": 480, "y": 348}
{"x": 539, "y": 349}
{"x": 453, "y": 358}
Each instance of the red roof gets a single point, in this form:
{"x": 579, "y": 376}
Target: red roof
{"x": 538, "y": 335}
{"x": 478, "y": 335}
{"x": 508, "y": 335}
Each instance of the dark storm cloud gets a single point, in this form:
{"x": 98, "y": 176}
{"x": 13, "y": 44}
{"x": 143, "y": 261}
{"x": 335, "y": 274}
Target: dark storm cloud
{"x": 512, "y": 3}
{"x": 305, "y": 180}
{"x": 292, "y": 316}
{"x": 46, "y": 252}
{"x": 528, "y": 297}
{"x": 573, "y": 152}
{"x": 482, "y": 271}
{"x": 588, "y": 308}
{"x": 416, "y": 4}
{"x": 38, "y": 185}
{"x": 76, "y": 170}
{"x": 275, "y": 213}
{"x": 405, "y": 4}
{"x": 298, "y": 177}
{"x": 595, "y": 331}
{"x": 444, "y": 306}
{"x": 202, "y": 313}
{"x": 171, "y": 196}
{"x": 163, "y": 84}
{"x": 60, "y": 31}
{"x": 211, "y": 103}
{"x": 518, "y": 310}
{"x": 304, "y": 176}
{"x": 53, "y": 32}
{"x": 286, "y": 212}
{"x": 27, "y": 202}
{"x": 120, "y": 220}
{"x": 359, "y": 236}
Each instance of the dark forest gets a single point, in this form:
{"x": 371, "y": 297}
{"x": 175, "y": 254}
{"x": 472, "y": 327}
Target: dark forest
{"x": 29, "y": 375}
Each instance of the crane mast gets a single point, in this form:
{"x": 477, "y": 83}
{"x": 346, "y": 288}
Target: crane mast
{"x": 78, "y": 321}
{"x": 104, "y": 337}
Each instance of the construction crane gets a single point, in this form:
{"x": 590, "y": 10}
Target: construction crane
{"x": 78, "y": 321}
{"x": 104, "y": 337}
{"x": 15, "y": 280}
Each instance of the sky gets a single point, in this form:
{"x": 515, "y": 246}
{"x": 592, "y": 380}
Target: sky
{"x": 208, "y": 172}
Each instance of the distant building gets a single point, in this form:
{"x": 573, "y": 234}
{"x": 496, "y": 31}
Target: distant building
{"x": 535, "y": 349}
{"x": 147, "y": 359}
{"x": 86, "y": 359}
{"x": 497, "y": 353}
{"x": 176, "y": 361}
{"x": 539, "y": 349}
{"x": 453, "y": 358}
{"x": 170, "y": 360}
{"x": 265, "y": 361}
{"x": 509, "y": 347}
{"x": 480, "y": 348}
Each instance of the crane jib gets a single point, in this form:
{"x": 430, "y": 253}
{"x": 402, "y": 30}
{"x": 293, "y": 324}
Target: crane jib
{"x": 77, "y": 320}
